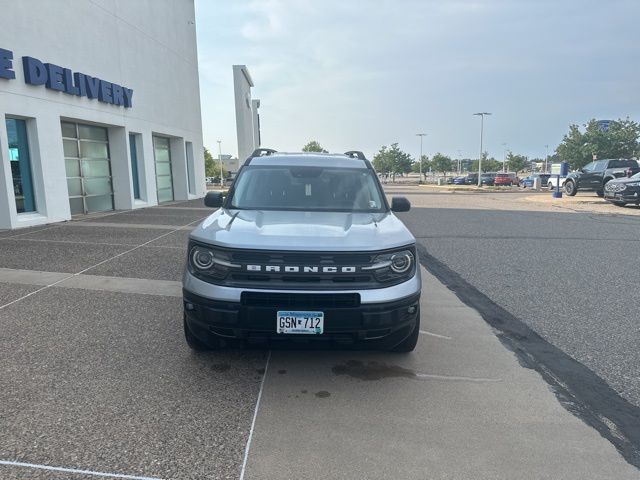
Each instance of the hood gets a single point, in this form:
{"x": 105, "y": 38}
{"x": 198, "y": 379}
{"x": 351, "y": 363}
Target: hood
{"x": 289, "y": 230}
{"x": 624, "y": 180}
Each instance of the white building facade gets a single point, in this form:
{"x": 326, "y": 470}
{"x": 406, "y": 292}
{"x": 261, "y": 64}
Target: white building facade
{"x": 247, "y": 119}
{"x": 99, "y": 108}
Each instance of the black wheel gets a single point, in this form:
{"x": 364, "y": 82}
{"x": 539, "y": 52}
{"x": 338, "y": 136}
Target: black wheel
{"x": 550, "y": 186}
{"x": 570, "y": 188}
{"x": 193, "y": 342}
{"x": 600, "y": 193}
{"x": 409, "y": 343}
{"x": 620, "y": 204}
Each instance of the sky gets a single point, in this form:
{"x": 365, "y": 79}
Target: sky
{"x": 357, "y": 75}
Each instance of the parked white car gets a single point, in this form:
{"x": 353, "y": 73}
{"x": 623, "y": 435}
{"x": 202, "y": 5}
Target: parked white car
{"x": 552, "y": 183}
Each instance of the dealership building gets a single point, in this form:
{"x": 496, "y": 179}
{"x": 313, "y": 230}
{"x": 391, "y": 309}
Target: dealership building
{"x": 99, "y": 108}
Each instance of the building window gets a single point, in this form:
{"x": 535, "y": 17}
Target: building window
{"x": 20, "y": 165}
{"x": 164, "y": 178}
{"x": 188, "y": 146}
{"x": 135, "y": 176}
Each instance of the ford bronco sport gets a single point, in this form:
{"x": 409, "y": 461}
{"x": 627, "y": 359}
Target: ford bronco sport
{"x": 305, "y": 250}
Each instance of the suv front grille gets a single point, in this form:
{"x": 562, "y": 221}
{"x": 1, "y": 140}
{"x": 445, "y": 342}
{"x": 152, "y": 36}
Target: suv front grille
{"x": 302, "y": 300}
{"x": 291, "y": 280}
{"x": 293, "y": 270}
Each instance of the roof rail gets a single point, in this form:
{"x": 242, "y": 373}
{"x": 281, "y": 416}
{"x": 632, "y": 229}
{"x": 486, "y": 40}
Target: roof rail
{"x": 258, "y": 152}
{"x": 355, "y": 154}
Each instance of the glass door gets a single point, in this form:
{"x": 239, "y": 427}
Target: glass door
{"x": 86, "y": 153}
{"x": 164, "y": 180}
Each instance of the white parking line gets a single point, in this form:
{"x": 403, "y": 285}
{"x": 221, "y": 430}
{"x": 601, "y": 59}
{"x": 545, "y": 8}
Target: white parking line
{"x": 74, "y": 470}
{"x": 431, "y": 376}
{"x": 80, "y": 242}
{"x": 255, "y": 415}
{"x": 424, "y": 332}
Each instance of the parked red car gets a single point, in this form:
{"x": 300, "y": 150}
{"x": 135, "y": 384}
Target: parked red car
{"x": 504, "y": 179}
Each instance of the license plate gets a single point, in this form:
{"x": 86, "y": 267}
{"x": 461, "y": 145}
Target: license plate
{"x": 300, "y": 322}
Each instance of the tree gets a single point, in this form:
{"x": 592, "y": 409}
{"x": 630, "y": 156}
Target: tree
{"x": 488, "y": 164}
{"x": 392, "y": 160}
{"x": 313, "y": 146}
{"x": 619, "y": 140}
{"x": 516, "y": 163}
{"x": 426, "y": 165}
{"x": 211, "y": 165}
{"x": 441, "y": 163}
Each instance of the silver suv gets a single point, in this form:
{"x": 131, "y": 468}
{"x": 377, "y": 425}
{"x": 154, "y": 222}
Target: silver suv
{"x": 305, "y": 250}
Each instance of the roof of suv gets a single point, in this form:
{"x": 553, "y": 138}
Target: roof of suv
{"x": 332, "y": 160}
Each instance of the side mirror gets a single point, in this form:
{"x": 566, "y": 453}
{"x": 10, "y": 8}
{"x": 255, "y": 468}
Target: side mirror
{"x": 400, "y": 204}
{"x": 213, "y": 199}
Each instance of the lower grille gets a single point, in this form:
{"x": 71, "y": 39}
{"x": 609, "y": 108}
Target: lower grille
{"x": 306, "y": 300}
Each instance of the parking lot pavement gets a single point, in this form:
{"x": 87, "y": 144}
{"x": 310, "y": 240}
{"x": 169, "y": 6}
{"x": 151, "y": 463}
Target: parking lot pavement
{"x": 96, "y": 376}
{"x": 103, "y": 381}
{"x": 508, "y": 200}
{"x": 460, "y": 407}
{"x": 96, "y": 379}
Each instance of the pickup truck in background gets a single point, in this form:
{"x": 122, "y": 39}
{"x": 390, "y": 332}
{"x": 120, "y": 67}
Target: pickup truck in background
{"x": 595, "y": 175}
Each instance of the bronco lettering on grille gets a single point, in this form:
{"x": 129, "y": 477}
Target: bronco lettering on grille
{"x": 298, "y": 269}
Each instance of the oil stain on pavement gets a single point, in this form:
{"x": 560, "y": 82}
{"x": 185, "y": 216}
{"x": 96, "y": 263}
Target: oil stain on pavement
{"x": 372, "y": 370}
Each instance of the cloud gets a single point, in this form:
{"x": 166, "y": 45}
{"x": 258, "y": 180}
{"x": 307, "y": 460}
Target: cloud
{"x": 354, "y": 73}
{"x": 266, "y": 20}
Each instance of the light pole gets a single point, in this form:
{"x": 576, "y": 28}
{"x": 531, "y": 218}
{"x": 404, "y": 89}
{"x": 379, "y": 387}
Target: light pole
{"x": 504, "y": 161}
{"x": 420, "y": 159}
{"x": 459, "y": 162}
{"x": 546, "y": 157}
{"x": 481, "y": 115}
{"x": 220, "y": 160}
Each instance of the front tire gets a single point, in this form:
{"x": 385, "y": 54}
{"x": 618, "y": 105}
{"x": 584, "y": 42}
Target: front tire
{"x": 409, "y": 343}
{"x": 570, "y": 188}
{"x": 620, "y": 204}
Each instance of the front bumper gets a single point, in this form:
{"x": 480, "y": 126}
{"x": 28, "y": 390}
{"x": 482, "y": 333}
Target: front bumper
{"x": 629, "y": 195}
{"x": 372, "y": 325}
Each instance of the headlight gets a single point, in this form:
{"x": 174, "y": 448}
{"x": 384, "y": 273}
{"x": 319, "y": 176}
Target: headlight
{"x": 401, "y": 262}
{"x": 210, "y": 262}
{"x": 201, "y": 258}
{"x": 392, "y": 266}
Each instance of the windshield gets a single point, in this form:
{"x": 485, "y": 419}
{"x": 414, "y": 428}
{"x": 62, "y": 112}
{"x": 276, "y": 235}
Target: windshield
{"x": 307, "y": 189}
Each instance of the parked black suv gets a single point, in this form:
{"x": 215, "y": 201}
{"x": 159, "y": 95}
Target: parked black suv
{"x": 595, "y": 175}
{"x": 488, "y": 178}
{"x": 471, "y": 179}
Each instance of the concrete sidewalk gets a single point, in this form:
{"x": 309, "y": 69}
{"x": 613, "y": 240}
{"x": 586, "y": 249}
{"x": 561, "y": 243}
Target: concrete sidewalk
{"x": 459, "y": 407}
